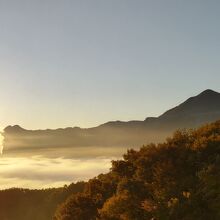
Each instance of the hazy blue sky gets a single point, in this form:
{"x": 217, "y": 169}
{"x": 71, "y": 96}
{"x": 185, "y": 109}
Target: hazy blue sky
{"x": 66, "y": 63}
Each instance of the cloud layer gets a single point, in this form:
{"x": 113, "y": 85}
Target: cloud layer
{"x": 41, "y": 172}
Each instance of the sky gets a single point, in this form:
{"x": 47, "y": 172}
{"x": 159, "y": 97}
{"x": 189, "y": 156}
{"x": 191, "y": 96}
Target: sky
{"x": 84, "y": 62}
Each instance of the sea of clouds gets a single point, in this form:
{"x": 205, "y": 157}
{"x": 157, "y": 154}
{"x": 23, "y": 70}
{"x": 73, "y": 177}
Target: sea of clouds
{"x": 41, "y": 172}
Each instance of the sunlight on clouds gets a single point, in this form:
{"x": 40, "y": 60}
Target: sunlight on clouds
{"x": 1, "y": 142}
{"x": 40, "y": 172}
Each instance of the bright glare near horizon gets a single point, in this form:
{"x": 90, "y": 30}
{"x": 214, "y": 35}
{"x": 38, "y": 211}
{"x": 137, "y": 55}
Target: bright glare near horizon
{"x": 39, "y": 172}
{"x": 83, "y": 62}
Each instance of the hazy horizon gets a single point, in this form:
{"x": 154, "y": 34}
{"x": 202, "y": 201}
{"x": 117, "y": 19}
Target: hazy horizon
{"x": 95, "y": 125}
{"x": 82, "y": 63}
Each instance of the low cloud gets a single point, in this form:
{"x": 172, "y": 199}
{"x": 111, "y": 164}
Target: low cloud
{"x": 41, "y": 172}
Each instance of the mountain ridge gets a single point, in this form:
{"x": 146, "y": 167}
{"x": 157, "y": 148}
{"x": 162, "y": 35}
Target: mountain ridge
{"x": 206, "y": 93}
{"x": 195, "y": 111}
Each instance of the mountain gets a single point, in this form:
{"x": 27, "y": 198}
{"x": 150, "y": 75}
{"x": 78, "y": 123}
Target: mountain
{"x": 192, "y": 113}
{"x": 195, "y": 111}
{"x": 205, "y": 104}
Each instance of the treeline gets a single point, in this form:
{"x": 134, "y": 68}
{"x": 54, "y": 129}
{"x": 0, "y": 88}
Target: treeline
{"x": 176, "y": 180}
{"x": 25, "y": 204}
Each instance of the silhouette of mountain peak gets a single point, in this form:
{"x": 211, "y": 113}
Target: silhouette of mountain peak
{"x": 208, "y": 94}
{"x": 14, "y": 128}
{"x": 205, "y": 97}
{"x": 200, "y": 109}
{"x": 206, "y": 102}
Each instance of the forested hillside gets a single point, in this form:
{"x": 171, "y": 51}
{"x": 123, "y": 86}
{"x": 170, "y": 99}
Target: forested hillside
{"x": 176, "y": 180}
{"x": 25, "y": 204}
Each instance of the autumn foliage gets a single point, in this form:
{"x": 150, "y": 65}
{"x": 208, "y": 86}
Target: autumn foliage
{"x": 175, "y": 180}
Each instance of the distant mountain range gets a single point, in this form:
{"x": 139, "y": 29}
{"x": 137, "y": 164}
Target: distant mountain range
{"x": 192, "y": 113}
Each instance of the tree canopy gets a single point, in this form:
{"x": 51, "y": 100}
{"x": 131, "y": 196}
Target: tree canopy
{"x": 178, "y": 179}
